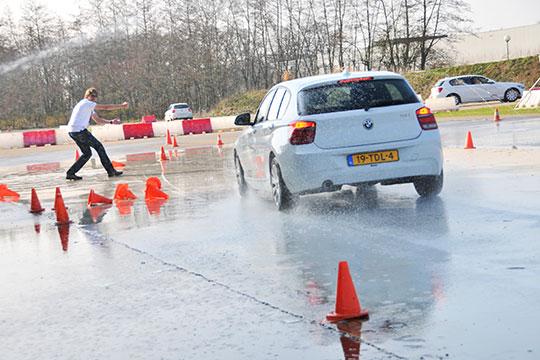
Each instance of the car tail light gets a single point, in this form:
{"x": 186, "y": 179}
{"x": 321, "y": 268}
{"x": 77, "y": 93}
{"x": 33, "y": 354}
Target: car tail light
{"x": 173, "y": 111}
{"x": 303, "y": 132}
{"x": 426, "y": 118}
{"x": 439, "y": 89}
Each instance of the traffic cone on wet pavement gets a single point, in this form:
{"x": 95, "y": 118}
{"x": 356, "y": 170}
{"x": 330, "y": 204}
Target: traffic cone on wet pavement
{"x": 169, "y": 141}
{"x": 469, "y": 143}
{"x": 496, "y": 115}
{"x": 163, "y": 156}
{"x": 77, "y": 155}
{"x": 8, "y": 195}
{"x": 175, "y": 143}
{"x": 35, "y": 205}
{"x": 153, "y": 190}
{"x": 219, "y": 141}
{"x": 62, "y": 216}
{"x": 347, "y": 303}
{"x": 96, "y": 199}
{"x": 122, "y": 192}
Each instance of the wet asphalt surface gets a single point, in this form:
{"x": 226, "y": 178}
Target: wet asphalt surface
{"x": 209, "y": 275}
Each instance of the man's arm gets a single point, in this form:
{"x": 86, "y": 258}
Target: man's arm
{"x": 124, "y": 105}
{"x": 102, "y": 121}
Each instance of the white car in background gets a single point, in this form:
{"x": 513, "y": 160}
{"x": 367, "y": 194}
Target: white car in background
{"x": 178, "y": 111}
{"x": 474, "y": 88}
{"x": 318, "y": 133}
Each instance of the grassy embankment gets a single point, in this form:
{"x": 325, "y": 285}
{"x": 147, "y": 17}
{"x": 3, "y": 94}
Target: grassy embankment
{"x": 525, "y": 70}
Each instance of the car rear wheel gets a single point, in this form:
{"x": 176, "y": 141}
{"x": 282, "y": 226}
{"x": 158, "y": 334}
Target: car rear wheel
{"x": 511, "y": 95}
{"x": 427, "y": 186}
{"x": 239, "y": 170}
{"x": 283, "y": 199}
{"x": 457, "y": 99}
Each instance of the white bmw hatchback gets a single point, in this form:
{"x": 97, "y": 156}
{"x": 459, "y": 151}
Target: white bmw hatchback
{"x": 318, "y": 133}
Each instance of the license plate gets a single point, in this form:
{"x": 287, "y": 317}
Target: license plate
{"x": 375, "y": 157}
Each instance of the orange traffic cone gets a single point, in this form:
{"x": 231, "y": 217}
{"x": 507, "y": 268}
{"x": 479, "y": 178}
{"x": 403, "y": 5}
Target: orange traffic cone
{"x": 469, "y": 143}
{"x": 169, "y": 141}
{"x": 219, "y": 141}
{"x": 163, "y": 157}
{"x": 153, "y": 181}
{"x": 7, "y": 194}
{"x": 118, "y": 164}
{"x": 122, "y": 192}
{"x": 35, "y": 205}
{"x": 347, "y": 303}
{"x": 496, "y": 115}
{"x": 96, "y": 199}
{"x": 62, "y": 216}
{"x": 77, "y": 155}
{"x": 63, "y": 232}
{"x": 175, "y": 143}
{"x": 154, "y": 192}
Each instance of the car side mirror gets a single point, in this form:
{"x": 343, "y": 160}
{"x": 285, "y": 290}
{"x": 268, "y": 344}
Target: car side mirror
{"x": 243, "y": 119}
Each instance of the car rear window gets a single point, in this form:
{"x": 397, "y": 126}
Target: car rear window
{"x": 181, "y": 106}
{"x": 355, "y": 95}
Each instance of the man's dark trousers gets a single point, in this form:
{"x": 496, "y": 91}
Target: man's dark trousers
{"x": 85, "y": 140}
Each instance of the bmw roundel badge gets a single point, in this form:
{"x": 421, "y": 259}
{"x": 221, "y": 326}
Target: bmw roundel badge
{"x": 368, "y": 124}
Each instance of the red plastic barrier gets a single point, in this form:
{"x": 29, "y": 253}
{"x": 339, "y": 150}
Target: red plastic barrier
{"x": 143, "y": 157}
{"x": 43, "y": 167}
{"x": 147, "y": 119}
{"x": 137, "y": 131}
{"x": 197, "y": 126}
{"x": 39, "y": 138}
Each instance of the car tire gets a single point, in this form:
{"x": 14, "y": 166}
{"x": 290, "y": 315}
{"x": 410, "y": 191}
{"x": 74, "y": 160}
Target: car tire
{"x": 427, "y": 186}
{"x": 511, "y": 95}
{"x": 283, "y": 199}
{"x": 457, "y": 98}
{"x": 240, "y": 179}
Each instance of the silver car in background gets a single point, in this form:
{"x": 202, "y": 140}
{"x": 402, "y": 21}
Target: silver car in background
{"x": 476, "y": 88}
{"x": 178, "y": 111}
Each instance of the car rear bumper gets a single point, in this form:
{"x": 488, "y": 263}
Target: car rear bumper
{"x": 307, "y": 168}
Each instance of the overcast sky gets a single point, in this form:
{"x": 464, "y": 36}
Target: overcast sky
{"x": 486, "y": 14}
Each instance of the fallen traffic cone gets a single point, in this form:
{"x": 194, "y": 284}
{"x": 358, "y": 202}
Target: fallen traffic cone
{"x": 96, "y": 199}
{"x": 8, "y": 195}
{"x": 496, "y": 115}
{"x": 219, "y": 141}
{"x": 117, "y": 164}
{"x": 163, "y": 157}
{"x": 77, "y": 155}
{"x": 347, "y": 303}
{"x": 35, "y": 205}
{"x": 62, "y": 216}
{"x": 122, "y": 192}
{"x": 175, "y": 143}
{"x": 469, "y": 143}
{"x": 169, "y": 141}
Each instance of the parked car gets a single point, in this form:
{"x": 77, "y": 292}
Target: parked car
{"x": 178, "y": 111}
{"x": 316, "y": 134}
{"x": 472, "y": 88}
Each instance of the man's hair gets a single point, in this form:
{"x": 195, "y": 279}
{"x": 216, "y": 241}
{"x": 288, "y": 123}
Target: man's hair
{"x": 90, "y": 91}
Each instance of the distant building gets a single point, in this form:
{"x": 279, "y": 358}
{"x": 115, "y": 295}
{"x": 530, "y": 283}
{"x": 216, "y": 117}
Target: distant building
{"x": 491, "y": 45}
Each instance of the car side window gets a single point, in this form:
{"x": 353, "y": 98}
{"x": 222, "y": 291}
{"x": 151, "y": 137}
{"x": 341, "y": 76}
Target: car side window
{"x": 469, "y": 80}
{"x": 274, "y": 108}
{"x": 284, "y": 104}
{"x": 457, "y": 82}
{"x": 262, "y": 113}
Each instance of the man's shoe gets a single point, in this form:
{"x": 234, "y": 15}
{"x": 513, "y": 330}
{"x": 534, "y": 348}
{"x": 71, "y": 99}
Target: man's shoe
{"x": 115, "y": 173}
{"x": 73, "y": 177}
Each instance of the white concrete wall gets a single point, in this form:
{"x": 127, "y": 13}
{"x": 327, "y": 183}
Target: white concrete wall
{"x": 11, "y": 140}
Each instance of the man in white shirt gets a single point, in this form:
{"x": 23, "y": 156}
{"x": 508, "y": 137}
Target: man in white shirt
{"x": 79, "y": 121}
